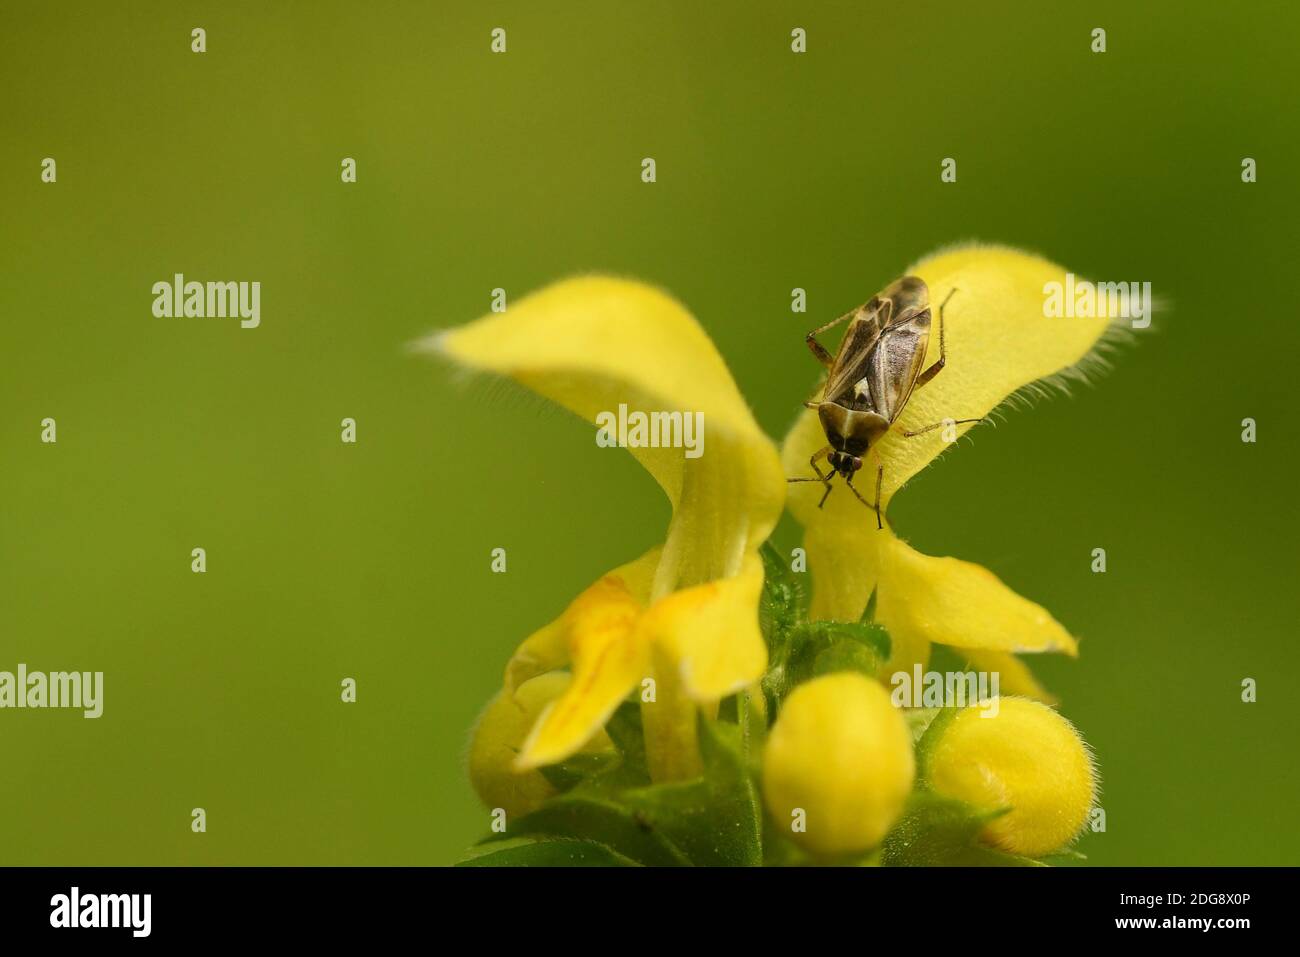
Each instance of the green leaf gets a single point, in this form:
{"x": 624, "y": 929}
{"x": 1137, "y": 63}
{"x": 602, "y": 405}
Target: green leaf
{"x": 529, "y": 852}
{"x": 869, "y": 613}
{"x": 938, "y": 831}
{"x": 824, "y": 647}
{"x": 624, "y": 729}
{"x": 606, "y": 774}
{"x": 596, "y": 818}
{"x": 716, "y": 819}
{"x": 868, "y": 633}
{"x": 778, "y": 849}
{"x": 978, "y": 855}
{"x": 1064, "y": 858}
{"x": 841, "y": 655}
{"x": 713, "y": 819}
{"x": 571, "y": 772}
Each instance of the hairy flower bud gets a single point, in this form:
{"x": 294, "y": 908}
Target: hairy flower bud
{"x": 838, "y": 764}
{"x": 498, "y": 737}
{"x": 1024, "y": 756}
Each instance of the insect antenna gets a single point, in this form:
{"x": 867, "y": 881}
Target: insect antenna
{"x": 825, "y": 481}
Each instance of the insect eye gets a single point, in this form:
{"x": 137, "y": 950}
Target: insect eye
{"x": 857, "y": 463}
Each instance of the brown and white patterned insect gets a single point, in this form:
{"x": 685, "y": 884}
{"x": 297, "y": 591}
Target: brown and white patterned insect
{"x": 871, "y": 377}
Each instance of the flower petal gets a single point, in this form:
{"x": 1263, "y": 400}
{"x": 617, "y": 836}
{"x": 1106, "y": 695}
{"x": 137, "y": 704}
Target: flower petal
{"x": 711, "y": 633}
{"x": 952, "y": 602}
{"x": 594, "y": 344}
{"x": 609, "y": 657}
{"x": 548, "y": 648}
{"x": 845, "y": 566}
{"x": 998, "y": 342}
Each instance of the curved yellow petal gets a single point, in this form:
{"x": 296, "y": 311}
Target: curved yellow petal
{"x": 998, "y": 342}
{"x": 609, "y": 657}
{"x": 548, "y": 648}
{"x": 952, "y": 602}
{"x": 595, "y": 344}
{"x": 922, "y": 600}
{"x": 711, "y": 634}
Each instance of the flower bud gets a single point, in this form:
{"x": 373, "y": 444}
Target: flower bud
{"x": 498, "y": 737}
{"x": 838, "y": 761}
{"x": 1021, "y": 755}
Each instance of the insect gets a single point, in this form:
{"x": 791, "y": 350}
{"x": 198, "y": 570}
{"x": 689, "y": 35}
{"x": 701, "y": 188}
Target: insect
{"x": 874, "y": 373}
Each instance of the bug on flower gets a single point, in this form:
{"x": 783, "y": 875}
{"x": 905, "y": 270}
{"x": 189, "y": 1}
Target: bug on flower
{"x": 871, "y": 378}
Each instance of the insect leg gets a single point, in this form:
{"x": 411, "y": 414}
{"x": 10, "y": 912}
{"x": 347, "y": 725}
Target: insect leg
{"x": 935, "y": 369}
{"x": 813, "y": 462}
{"x": 824, "y": 479}
{"x": 824, "y": 357}
{"x": 938, "y": 425}
{"x": 826, "y": 482}
{"x": 826, "y": 495}
{"x": 880, "y": 476}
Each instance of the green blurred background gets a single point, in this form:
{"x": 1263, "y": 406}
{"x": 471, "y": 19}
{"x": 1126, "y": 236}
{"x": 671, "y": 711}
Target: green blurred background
{"x": 475, "y": 171}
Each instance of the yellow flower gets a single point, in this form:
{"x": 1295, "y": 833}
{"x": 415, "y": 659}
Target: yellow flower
{"x": 1025, "y": 757}
{"x": 684, "y": 614}
{"x": 500, "y": 733}
{"x": 841, "y": 754}
{"x": 998, "y": 343}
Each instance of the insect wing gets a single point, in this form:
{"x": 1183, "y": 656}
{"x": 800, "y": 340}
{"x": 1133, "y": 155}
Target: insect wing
{"x": 906, "y": 297}
{"x": 881, "y": 355}
{"x": 852, "y": 361}
{"x": 895, "y": 363}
